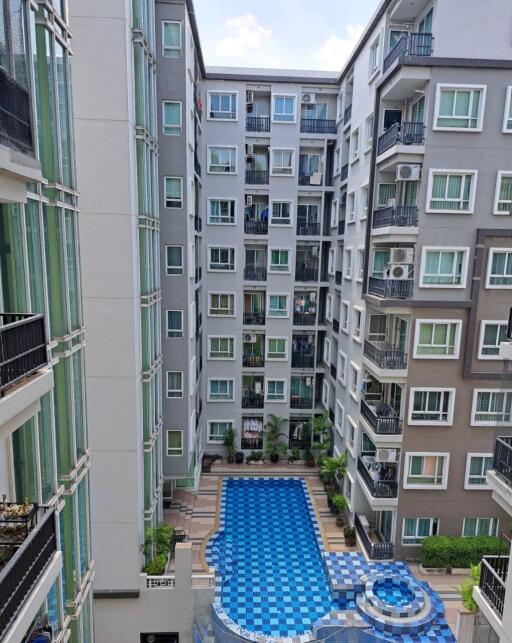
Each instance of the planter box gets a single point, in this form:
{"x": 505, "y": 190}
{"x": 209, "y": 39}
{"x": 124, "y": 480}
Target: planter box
{"x": 260, "y": 462}
{"x": 433, "y": 571}
{"x": 459, "y": 571}
{"x": 465, "y": 626}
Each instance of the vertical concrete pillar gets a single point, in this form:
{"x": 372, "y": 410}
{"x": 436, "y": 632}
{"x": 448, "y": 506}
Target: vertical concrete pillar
{"x": 183, "y": 565}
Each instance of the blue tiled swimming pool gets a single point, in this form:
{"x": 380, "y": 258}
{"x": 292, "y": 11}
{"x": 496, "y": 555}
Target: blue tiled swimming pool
{"x": 396, "y": 596}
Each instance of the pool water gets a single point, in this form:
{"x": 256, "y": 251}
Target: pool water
{"x": 396, "y": 595}
{"x": 274, "y": 579}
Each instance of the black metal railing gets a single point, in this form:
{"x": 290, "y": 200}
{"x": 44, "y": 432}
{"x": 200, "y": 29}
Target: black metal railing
{"x": 401, "y": 215}
{"x": 302, "y": 273}
{"x": 347, "y": 114}
{"x": 254, "y": 444}
{"x": 377, "y": 488}
{"x": 376, "y": 551}
{"x": 303, "y": 360}
{"x": 382, "y": 425}
{"x": 493, "y": 580}
{"x": 252, "y": 400}
{"x": 198, "y": 273}
{"x": 317, "y": 126}
{"x": 297, "y": 443}
{"x": 254, "y": 319}
{"x": 341, "y": 226}
{"x": 253, "y": 361}
{"x": 197, "y": 165}
{"x": 25, "y": 568}
{"x": 22, "y": 347}
{"x": 304, "y": 319}
{"x": 255, "y": 227}
{"x": 405, "y": 133}
{"x": 390, "y": 288}
{"x": 338, "y": 276}
{"x": 255, "y": 273}
{"x": 335, "y": 325}
{"x": 385, "y": 355}
{"x": 344, "y": 172}
{"x": 411, "y": 44}
{"x": 305, "y": 179}
{"x": 15, "y": 115}
{"x": 308, "y": 229}
{"x": 198, "y": 223}
{"x": 257, "y": 123}
{"x": 503, "y": 458}
{"x": 301, "y": 402}
{"x": 256, "y": 177}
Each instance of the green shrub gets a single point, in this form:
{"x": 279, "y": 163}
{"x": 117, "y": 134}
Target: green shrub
{"x": 340, "y": 503}
{"x": 159, "y": 538}
{"x": 458, "y": 551}
{"x": 156, "y": 567}
{"x": 466, "y": 589}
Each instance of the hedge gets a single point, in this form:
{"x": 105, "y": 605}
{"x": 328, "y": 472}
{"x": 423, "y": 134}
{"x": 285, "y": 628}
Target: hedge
{"x": 156, "y": 567}
{"x": 458, "y": 551}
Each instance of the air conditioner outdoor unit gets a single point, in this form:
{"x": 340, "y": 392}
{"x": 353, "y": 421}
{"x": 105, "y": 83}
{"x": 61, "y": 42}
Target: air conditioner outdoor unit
{"x": 401, "y": 255}
{"x": 386, "y": 455}
{"x": 257, "y": 387}
{"x": 408, "y": 172}
{"x": 248, "y": 199}
{"x": 399, "y": 271}
{"x": 315, "y": 178}
{"x": 250, "y": 338}
{"x": 249, "y": 96}
{"x": 308, "y": 98}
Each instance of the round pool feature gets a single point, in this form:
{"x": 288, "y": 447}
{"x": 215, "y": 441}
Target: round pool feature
{"x": 396, "y": 594}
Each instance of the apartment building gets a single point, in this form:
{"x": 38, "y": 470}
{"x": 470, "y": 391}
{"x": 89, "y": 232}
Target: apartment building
{"x": 46, "y": 569}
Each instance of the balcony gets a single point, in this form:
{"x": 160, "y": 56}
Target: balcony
{"x": 252, "y": 400}
{"x": 257, "y": 123}
{"x": 252, "y": 444}
{"x": 303, "y": 273}
{"x": 304, "y": 319}
{"x": 255, "y": 227}
{"x": 35, "y": 553}
{"x": 402, "y": 216}
{"x": 256, "y": 177}
{"x": 493, "y": 581}
{"x": 401, "y": 133}
{"x": 390, "y": 288}
{"x": 253, "y": 361}
{"x": 254, "y": 319}
{"x": 347, "y": 114}
{"x": 410, "y": 44}
{"x": 317, "y": 126}
{"x": 303, "y": 359}
{"x": 378, "y": 550}
{"x": 377, "y": 488}
{"x": 338, "y": 276}
{"x": 381, "y": 418}
{"x": 344, "y": 173}
{"x": 255, "y": 273}
{"x": 15, "y": 115}
{"x": 314, "y": 179}
{"x": 499, "y": 478}
{"x": 301, "y": 402}
{"x": 384, "y": 355}
{"x": 308, "y": 229}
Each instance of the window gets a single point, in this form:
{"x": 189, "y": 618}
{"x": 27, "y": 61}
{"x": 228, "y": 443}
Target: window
{"x": 353, "y": 380}
{"x": 480, "y": 527}
{"x": 282, "y": 162}
{"x": 351, "y": 207}
{"x": 174, "y": 442}
{"x": 222, "y": 259}
{"x": 350, "y": 434}
{"x": 334, "y": 213}
{"x": 277, "y": 348}
{"x": 275, "y": 391}
{"x": 348, "y": 488}
{"x": 174, "y": 384}
{"x": 331, "y": 263}
{"x": 491, "y": 407}
{"x": 342, "y": 367}
{"x": 499, "y": 269}
{"x": 360, "y": 264}
{"x": 328, "y": 307}
{"x": 356, "y": 324}
{"x": 344, "y": 314}
{"x": 477, "y": 464}
{"x": 174, "y": 323}
{"x": 492, "y": 333}
{"x": 171, "y": 116}
{"x": 354, "y": 145}
{"x": 503, "y": 195}
{"x": 443, "y": 268}
{"x": 222, "y": 106}
{"x": 221, "y": 211}
{"x": 283, "y": 108}
{"x": 365, "y": 201}
{"x": 217, "y": 430}
{"x": 416, "y": 529}
{"x": 326, "y": 355}
{"x": 426, "y": 470}
{"x": 431, "y": 406}
{"x": 368, "y": 133}
{"x": 386, "y": 195}
{"x": 459, "y": 107}
{"x": 507, "y": 116}
{"x": 221, "y": 160}
{"x": 173, "y": 186}
{"x": 451, "y": 191}
{"x": 171, "y": 39}
{"x": 380, "y": 263}
{"x": 279, "y": 260}
{"x": 220, "y": 391}
{"x": 437, "y": 339}
{"x": 337, "y": 161}
{"x": 374, "y": 58}
{"x": 347, "y": 263}
{"x": 325, "y": 393}
{"x": 278, "y": 305}
{"x": 221, "y": 304}
{"x": 174, "y": 257}
{"x": 281, "y": 213}
{"x": 221, "y": 348}
{"x": 339, "y": 413}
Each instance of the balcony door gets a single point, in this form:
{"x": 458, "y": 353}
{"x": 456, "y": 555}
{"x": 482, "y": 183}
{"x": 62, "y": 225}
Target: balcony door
{"x": 386, "y": 525}
{"x": 392, "y": 116}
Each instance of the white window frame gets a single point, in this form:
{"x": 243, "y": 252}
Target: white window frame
{"x": 272, "y": 166}
{"x": 210, "y": 248}
{"x": 284, "y": 381}
{"x": 337, "y": 161}
{"x": 365, "y": 201}
{"x": 360, "y": 264}
{"x": 357, "y": 336}
{"x": 369, "y": 123}
{"x": 329, "y": 301}
{"x": 494, "y": 522}
{"x": 277, "y": 120}
{"x": 351, "y": 443}
{"x": 270, "y": 212}
{"x": 458, "y": 328}
{"x": 339, "y": 417}
{"x": 351, "y": 212}
{"x": 177, "y": 49}
{"x": 345, "y": 306}
{"x": 500, "y": 175}
{"x": 274, "y": 270}
{"x": 180, "y": 267}
{"x": 173, "y": 310}
{"x": 467, "y": 483}
{"x": 488, "y": 284}
{"x": 431, "y": 389}
{"x": 276, "y": 359}
{"x": 214, "y": 315}
{"x": 436, "y": 454}
{"x": 167, "y": 447}
{"x": 354, "y": 368}
{"x": 472, "y": 193}
{"x": 342, "y": 372}
{"x": 232, "y": 200}
{"x": 173, "y": 207}
{"x": 331, "y": 261}
{"x": 464, "y": 272}
{"x": 218, "y": 359}
{"x": 481, "y": 107}
{"x": 220, "y": 92}
{"x": 178, "y": 127}
{"x": 355, "y": 144}
{"x": 209, "y": 164}
{"x": 325, "y": 393}
{"x": 326, "y": 351}
{"x": 374, "y": 47}
{"x": 491, "y": 422}
{"x": 221, "y": 379}
{"x": 347, "y": 265}
{"x": 334, "y": 213}
{"x": 483, "y": 323}
{"x": 216, "y": 421}
{"x": 507, "y": 111}
{"x": 416, "y": 537}
{"x": 269, "y": 310}
{"x": 168, "y": 390}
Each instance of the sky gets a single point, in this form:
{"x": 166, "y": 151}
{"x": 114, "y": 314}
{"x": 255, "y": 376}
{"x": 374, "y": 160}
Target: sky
{"x": 285, "y": 34}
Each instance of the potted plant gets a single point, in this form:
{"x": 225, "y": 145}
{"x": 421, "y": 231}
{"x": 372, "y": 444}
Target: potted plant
{"x": 157, "y": 545}
{"x": 239, "y": 457}
{"x": 322, "y": 432}
{"x": 309, "y": 459}
{"x": 350, "y": 536}
{"x": 230, "y": 443}
{"x": 256, "y": 457}
{"x": 295, "y": 455}
{"x": 331, "y": 469}
{"x": 340, "y": 504}
{"x": 274, "y": 444}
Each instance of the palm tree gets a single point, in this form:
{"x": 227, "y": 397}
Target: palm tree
{"x": 333, "y": 468}
{"x": 274, "y": 444}
{"x": 322, "y": 431}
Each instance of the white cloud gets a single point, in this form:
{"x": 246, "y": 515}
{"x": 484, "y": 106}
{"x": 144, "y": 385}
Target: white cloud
{"x": 246, "y": 42}
{"x": 335, "y": 51}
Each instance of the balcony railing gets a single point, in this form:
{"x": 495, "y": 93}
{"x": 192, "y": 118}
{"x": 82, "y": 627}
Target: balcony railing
{"x": 385, "y": 355}
{"x": 344, "y": 172}
{"x": 252, "y": 400}
{"x": 198, "y": 223}
{"x": 198, "y": 274}
{"x": 26, "y": 567}
{"x": 304, "y": 319}
{"x": 301, "y": 402}
{"x": 253, "y": 361}
{"x": 255, "y": 227}
{"x": 341, "y": 226}
{"x": 303, "y": 360}
{"x": 390, "y": 288}
{"x": 256, "y": 177}
{"x": 411, "y": 44}
{"x": 347, "y": 114}
{"x": 376, "y": 551}
{"x": 257, "y": 123}
{"x": 377, "y": 488}
{"x": 317, "y": 126}
{"x": 22, "y": 347}
{"x": 15, "y": 115}
{"x": 254, "y": 319}
{"x": 310, "y": 179}
{"x": 297, "y": 443}
{"x": 503, "y": 458}
{"x": 308, "y": 229}
{"x": 404, "y": 133}
{"x": 338, "y": 277}
{"x": 255, "y": 273}
{"x": 335, "y": 325}
{"x": 493, "y": 580}
{"x": 401, "y": 215}
{"x": 254, "y": 444}
{"x": 306, "y": 274}
{"x": 381, "y": 424}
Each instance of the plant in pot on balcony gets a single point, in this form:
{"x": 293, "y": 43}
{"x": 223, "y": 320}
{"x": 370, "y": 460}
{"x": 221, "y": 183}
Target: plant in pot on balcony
{"x": 340, "y": 504}
{"x": 332, "y": 469}
{"x": 350, "y": 536}
{"x": 275, "y": 446}
{"x": 230, "y": 443}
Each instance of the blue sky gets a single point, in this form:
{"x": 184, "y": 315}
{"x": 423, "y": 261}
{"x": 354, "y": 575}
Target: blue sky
{"x": 288, "y": 34}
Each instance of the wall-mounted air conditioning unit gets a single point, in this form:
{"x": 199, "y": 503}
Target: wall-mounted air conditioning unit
{"x": 401, "y": 255}
{"x": 408, "y": 172}
{"x": 308, "y": 98}
{"x": 250, "y": 338}
{"x": 399, "y": 271}
{"x": 386, "y": 455}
